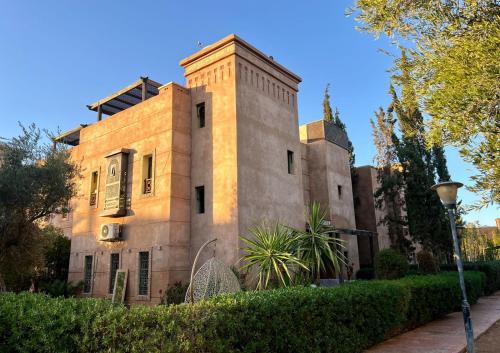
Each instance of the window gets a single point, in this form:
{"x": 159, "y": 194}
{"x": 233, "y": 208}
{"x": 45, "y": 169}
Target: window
{"x": 87, "y": 274}
{"x": 147, "y": 174}
{"x": 200, "y": 199}
{"x": 290, "y": 162}
{"x": 200, "y": 113}
{"x": 114, "y": 263}
{"x": 143, "y": 272}
{"x": 339, "y": 191}
{"x": 94, "y": 180}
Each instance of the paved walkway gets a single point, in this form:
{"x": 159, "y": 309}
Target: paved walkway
{"x": 445, "y": 335}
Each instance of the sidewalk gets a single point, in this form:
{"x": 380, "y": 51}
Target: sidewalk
{"x": 445, "y": 335}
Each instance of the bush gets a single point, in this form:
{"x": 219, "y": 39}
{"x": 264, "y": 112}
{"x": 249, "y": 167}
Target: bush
{"x": 490, "y": 268}
{"x": 426, "y": 262}
{"x": 365, "y": 273}
{"x": 345, "y": 319}
{"x": 390, "y": 264}
{"x": 175, "y": 294}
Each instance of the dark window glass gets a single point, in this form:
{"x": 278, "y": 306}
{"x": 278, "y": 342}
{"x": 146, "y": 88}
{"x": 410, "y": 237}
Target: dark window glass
{"x": 290, "y": 162}
{"x": 339, "y": 190}
{"x": 113, "y": 267}
{"x": 200, "y": 199}
{"x": 87, "y": 274}
{"x": 143, "y": 272}
{"x": 200, "y": 112}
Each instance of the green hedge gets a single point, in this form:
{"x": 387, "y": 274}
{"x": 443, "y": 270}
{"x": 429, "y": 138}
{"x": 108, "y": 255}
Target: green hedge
{"x": 345, "y": 319}
{"x": 490, "y": 268}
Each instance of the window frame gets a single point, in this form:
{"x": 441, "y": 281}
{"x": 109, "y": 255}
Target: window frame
{"x": 290, "y": 160}
{"x": 202, "y": 121}
{"x": 144, "y": 173}
{"x": 98, "y": 171}
{"x": 91, "y": 279}
{"x": 199, "y": 201}
{"x": 111, "y": 278}
{"x": 148, "y": 295}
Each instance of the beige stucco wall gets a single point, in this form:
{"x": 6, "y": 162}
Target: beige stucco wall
{"x": 158, "y": 223}
{"x": 328, "y": 166}
{"x": 240, "y": 156}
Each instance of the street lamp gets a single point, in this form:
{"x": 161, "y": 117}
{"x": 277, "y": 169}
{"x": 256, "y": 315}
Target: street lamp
{"x": 447, "y": 192}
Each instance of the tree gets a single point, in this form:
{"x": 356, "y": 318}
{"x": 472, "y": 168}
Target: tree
{"x": 389, "y": 194}
{"x": 425, "y": 214}
{"x": 318, "y": 246}
{"x": 327, "y": 109}
{"x": 36, "y": 181}
{"x": 453, "y": 57}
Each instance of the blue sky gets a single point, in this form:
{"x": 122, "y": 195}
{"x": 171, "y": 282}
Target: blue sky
{"x": 58, "y": 56}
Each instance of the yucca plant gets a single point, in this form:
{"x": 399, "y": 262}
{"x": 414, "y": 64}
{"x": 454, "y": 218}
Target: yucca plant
{"x": 319, "y": 247}
{"x": 271, "y": 252}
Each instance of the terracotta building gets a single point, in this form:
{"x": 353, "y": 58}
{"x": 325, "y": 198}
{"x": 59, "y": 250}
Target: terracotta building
{"x": 166, "y": 167}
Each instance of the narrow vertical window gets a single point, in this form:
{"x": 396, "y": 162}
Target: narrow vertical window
{"x": 143, "y": 272}
{"x": 87, "y": 274}
{"x": 200, "y": 199}
{"x": 339, "y": 191}
{"x": 147, "y": 174}
{"x": 94, "y": 179}
{"x": 290, "y": 162}
{"x": 200, "y": 113}
{"x": 114, "y": 263}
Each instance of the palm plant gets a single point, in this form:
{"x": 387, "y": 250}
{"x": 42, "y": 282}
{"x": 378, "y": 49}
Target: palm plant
{"x": 319, "y": 246}
{"x": 271, "y": 251}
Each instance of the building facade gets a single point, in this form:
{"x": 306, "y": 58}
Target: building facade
{"x": 168, "y": 167}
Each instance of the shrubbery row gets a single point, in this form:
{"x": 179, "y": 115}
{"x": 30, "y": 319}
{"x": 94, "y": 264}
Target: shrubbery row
{"x": 344, "y": 319}
{"x": 490, "y": 268}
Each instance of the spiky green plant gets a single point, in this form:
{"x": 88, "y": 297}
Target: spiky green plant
{"x": 271, "y": 251}
{"x": 318, "y": 246}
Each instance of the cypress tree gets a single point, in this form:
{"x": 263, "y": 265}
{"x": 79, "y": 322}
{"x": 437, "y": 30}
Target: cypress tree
{"x": 327, "y": 109}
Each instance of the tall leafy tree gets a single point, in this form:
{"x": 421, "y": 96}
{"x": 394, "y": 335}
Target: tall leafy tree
{"x": 454, "y": 48}
{"x": 36, "y": 181}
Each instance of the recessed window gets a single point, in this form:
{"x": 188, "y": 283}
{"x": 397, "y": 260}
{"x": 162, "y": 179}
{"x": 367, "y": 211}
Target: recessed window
{"x": 200, "y": 199}
{"x": 87, "y": 274}
{"x": 147, "y": 174}
{"x": 200, "y": 113}
{"x": 94, "y": 180}
{"x": 339, "y": 191}
{"x": 65, "y": 210}
{"x": 143, "y": 272}
{"x": 290, "y": 162}
{"x": 114, "y": 263}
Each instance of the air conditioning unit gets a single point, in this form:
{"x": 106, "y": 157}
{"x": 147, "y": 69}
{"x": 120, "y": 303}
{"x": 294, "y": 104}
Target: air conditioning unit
{"x": 110, "y": 232}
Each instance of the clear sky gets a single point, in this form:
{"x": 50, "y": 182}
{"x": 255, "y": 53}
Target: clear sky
{"x": 58, "y": 56}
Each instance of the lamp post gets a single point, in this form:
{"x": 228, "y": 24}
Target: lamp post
{"x": 447, "y": 192}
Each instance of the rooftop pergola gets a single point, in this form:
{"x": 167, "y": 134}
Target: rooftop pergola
{"x": 127, "y": 97}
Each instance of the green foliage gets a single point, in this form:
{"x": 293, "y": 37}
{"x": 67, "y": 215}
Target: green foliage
{"x": 175, "y": 294}
{"x": 477, "y": 246}
{"x": 36, "y": 181}
{"x": 490, "y": 268}
{"x": 319, "y": 247}
{"x": 454, "y": 49}
{"x": 272, "y": 254}
{"x": 327, "y": 109}
{"x": 390, "y": 264}
{"x": 426, "y": 262}
{"x": 345, "y": 319}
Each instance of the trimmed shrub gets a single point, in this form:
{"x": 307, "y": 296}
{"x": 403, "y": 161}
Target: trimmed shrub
{"x": 344, "y": 319}
{"x": 390, "y": 264}
{"x": 490, "y": 268}
{"x": 175, "y": 294}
